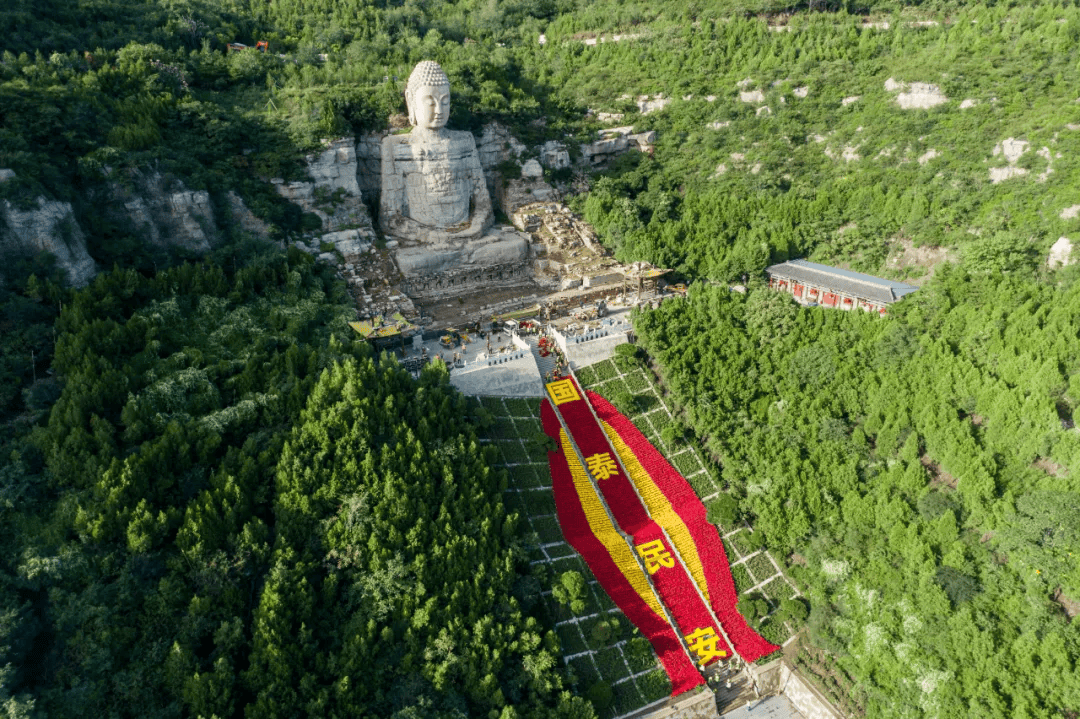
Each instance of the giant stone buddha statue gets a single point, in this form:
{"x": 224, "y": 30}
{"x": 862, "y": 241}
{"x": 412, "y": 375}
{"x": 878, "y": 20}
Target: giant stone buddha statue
{"x": 434, "y": 200}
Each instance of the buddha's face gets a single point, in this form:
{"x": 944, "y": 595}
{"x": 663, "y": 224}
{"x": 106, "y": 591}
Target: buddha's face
{"x": 431, "y": 106}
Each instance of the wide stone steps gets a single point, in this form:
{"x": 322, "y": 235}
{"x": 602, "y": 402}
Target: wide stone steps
{"x": 544, "y": 364}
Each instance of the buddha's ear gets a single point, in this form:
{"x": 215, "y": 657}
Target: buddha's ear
{"x": 409, "y": 108}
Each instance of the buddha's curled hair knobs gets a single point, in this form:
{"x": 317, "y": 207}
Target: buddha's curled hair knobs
{"x": 427, "y": 73}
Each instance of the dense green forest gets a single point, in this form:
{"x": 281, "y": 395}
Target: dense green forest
{"x": 211, "y": 505}
{"x": 228, "y": 512}
{"x": 915, "y": 471}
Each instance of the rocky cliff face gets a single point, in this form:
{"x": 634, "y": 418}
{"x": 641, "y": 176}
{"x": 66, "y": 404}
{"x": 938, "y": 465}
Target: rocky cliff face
{"x": 494, "y": 146}
{"x": 165, "y": 214}
{"x": 616, "y": 141}
{"x": 369, "y": 166}
{"x": 49, "y": 227}
{"x": 497, "y": 145}
{"x": 334, "y": 193}
{"x": 245, "y": 218}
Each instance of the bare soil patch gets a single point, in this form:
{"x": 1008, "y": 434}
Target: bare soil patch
{"x": 1052, "y": 468}
{"x": 903, "y": 253}
{"x": 1071, "y": 606}
{"x": 938, "y": 476}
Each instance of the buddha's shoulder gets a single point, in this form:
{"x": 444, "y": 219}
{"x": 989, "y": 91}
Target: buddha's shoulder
{"x": 456, "y": 136}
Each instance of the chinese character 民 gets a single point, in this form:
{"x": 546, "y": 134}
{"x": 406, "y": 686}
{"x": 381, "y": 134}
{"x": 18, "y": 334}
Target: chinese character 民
{"x": 602, "y": 465}
{"x": 563, "y": 391}
{"x": 703, "y": 642}
{"x": 655, "y": 555}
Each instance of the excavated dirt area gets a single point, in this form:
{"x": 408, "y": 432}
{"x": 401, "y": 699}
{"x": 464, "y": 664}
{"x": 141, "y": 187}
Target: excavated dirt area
{"x": 469, "y": 306}
{"x": 903, "y": 253}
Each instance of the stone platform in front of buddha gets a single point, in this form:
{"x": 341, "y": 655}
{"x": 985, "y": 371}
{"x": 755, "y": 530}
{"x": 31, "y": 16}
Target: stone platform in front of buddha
{"x": 498, "y": 246}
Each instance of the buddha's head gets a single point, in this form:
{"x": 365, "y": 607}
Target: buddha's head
{"x": 428, "y": 96}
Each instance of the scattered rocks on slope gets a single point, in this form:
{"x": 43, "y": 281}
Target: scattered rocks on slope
{"x": 928, "y": 156}
{"x": 848, "y": 100}
{"x": 1044, "y": 153}
{"x": 1013, "y": 150}
{"x": 648, "y": 105}
{"x": 1060, "y": 254}
{"x": 916, "y": 95}
{"x": 1000, "y": 174}
{"x": 1070, "y": 212}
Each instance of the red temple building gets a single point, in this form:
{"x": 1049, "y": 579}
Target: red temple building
{"x": 813, "y": 284}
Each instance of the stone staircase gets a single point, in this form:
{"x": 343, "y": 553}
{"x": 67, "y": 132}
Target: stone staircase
{"x": 544, "y": 364}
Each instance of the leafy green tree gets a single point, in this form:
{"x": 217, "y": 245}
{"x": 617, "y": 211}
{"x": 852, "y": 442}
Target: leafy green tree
{"x": 569, "y": 589}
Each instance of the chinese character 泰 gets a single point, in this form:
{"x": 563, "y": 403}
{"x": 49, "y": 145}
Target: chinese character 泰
{"x": 602, "y": 465}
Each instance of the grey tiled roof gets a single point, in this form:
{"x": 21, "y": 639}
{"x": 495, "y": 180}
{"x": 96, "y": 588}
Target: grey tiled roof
{"x": 853, "y": 283}
{"x": 774, "y": 707}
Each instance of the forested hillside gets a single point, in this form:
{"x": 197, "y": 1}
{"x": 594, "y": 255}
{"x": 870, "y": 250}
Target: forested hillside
{"x": 915, "y": 471}
{"x": 836, "y": 168}
{"x": 228, "y": 512}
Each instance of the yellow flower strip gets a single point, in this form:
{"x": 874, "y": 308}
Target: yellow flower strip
{"x": 660, "y": 510}
{"x": 605, "y": 531}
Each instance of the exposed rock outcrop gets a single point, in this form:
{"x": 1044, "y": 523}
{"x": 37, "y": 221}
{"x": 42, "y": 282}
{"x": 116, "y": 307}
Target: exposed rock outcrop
{"x": 531, "y": 170}
{"x": 554, "y": 155}
{"x": 916, "y": 95}
{"x": 48, "y": 227}
{"x": 497, "y": 145}
{"x": 333, "y": 192}
{"x": 368, "y": 166}
{"x": 616, "y": 141}
{"x": 245, "y": 218}
{"x": 514, "y": 194}
{"x": 647, "y": 105}
{"x": 166, "y": 214}
{"x": 1060, "y": 253}
{"x": 1013, "y": 150}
